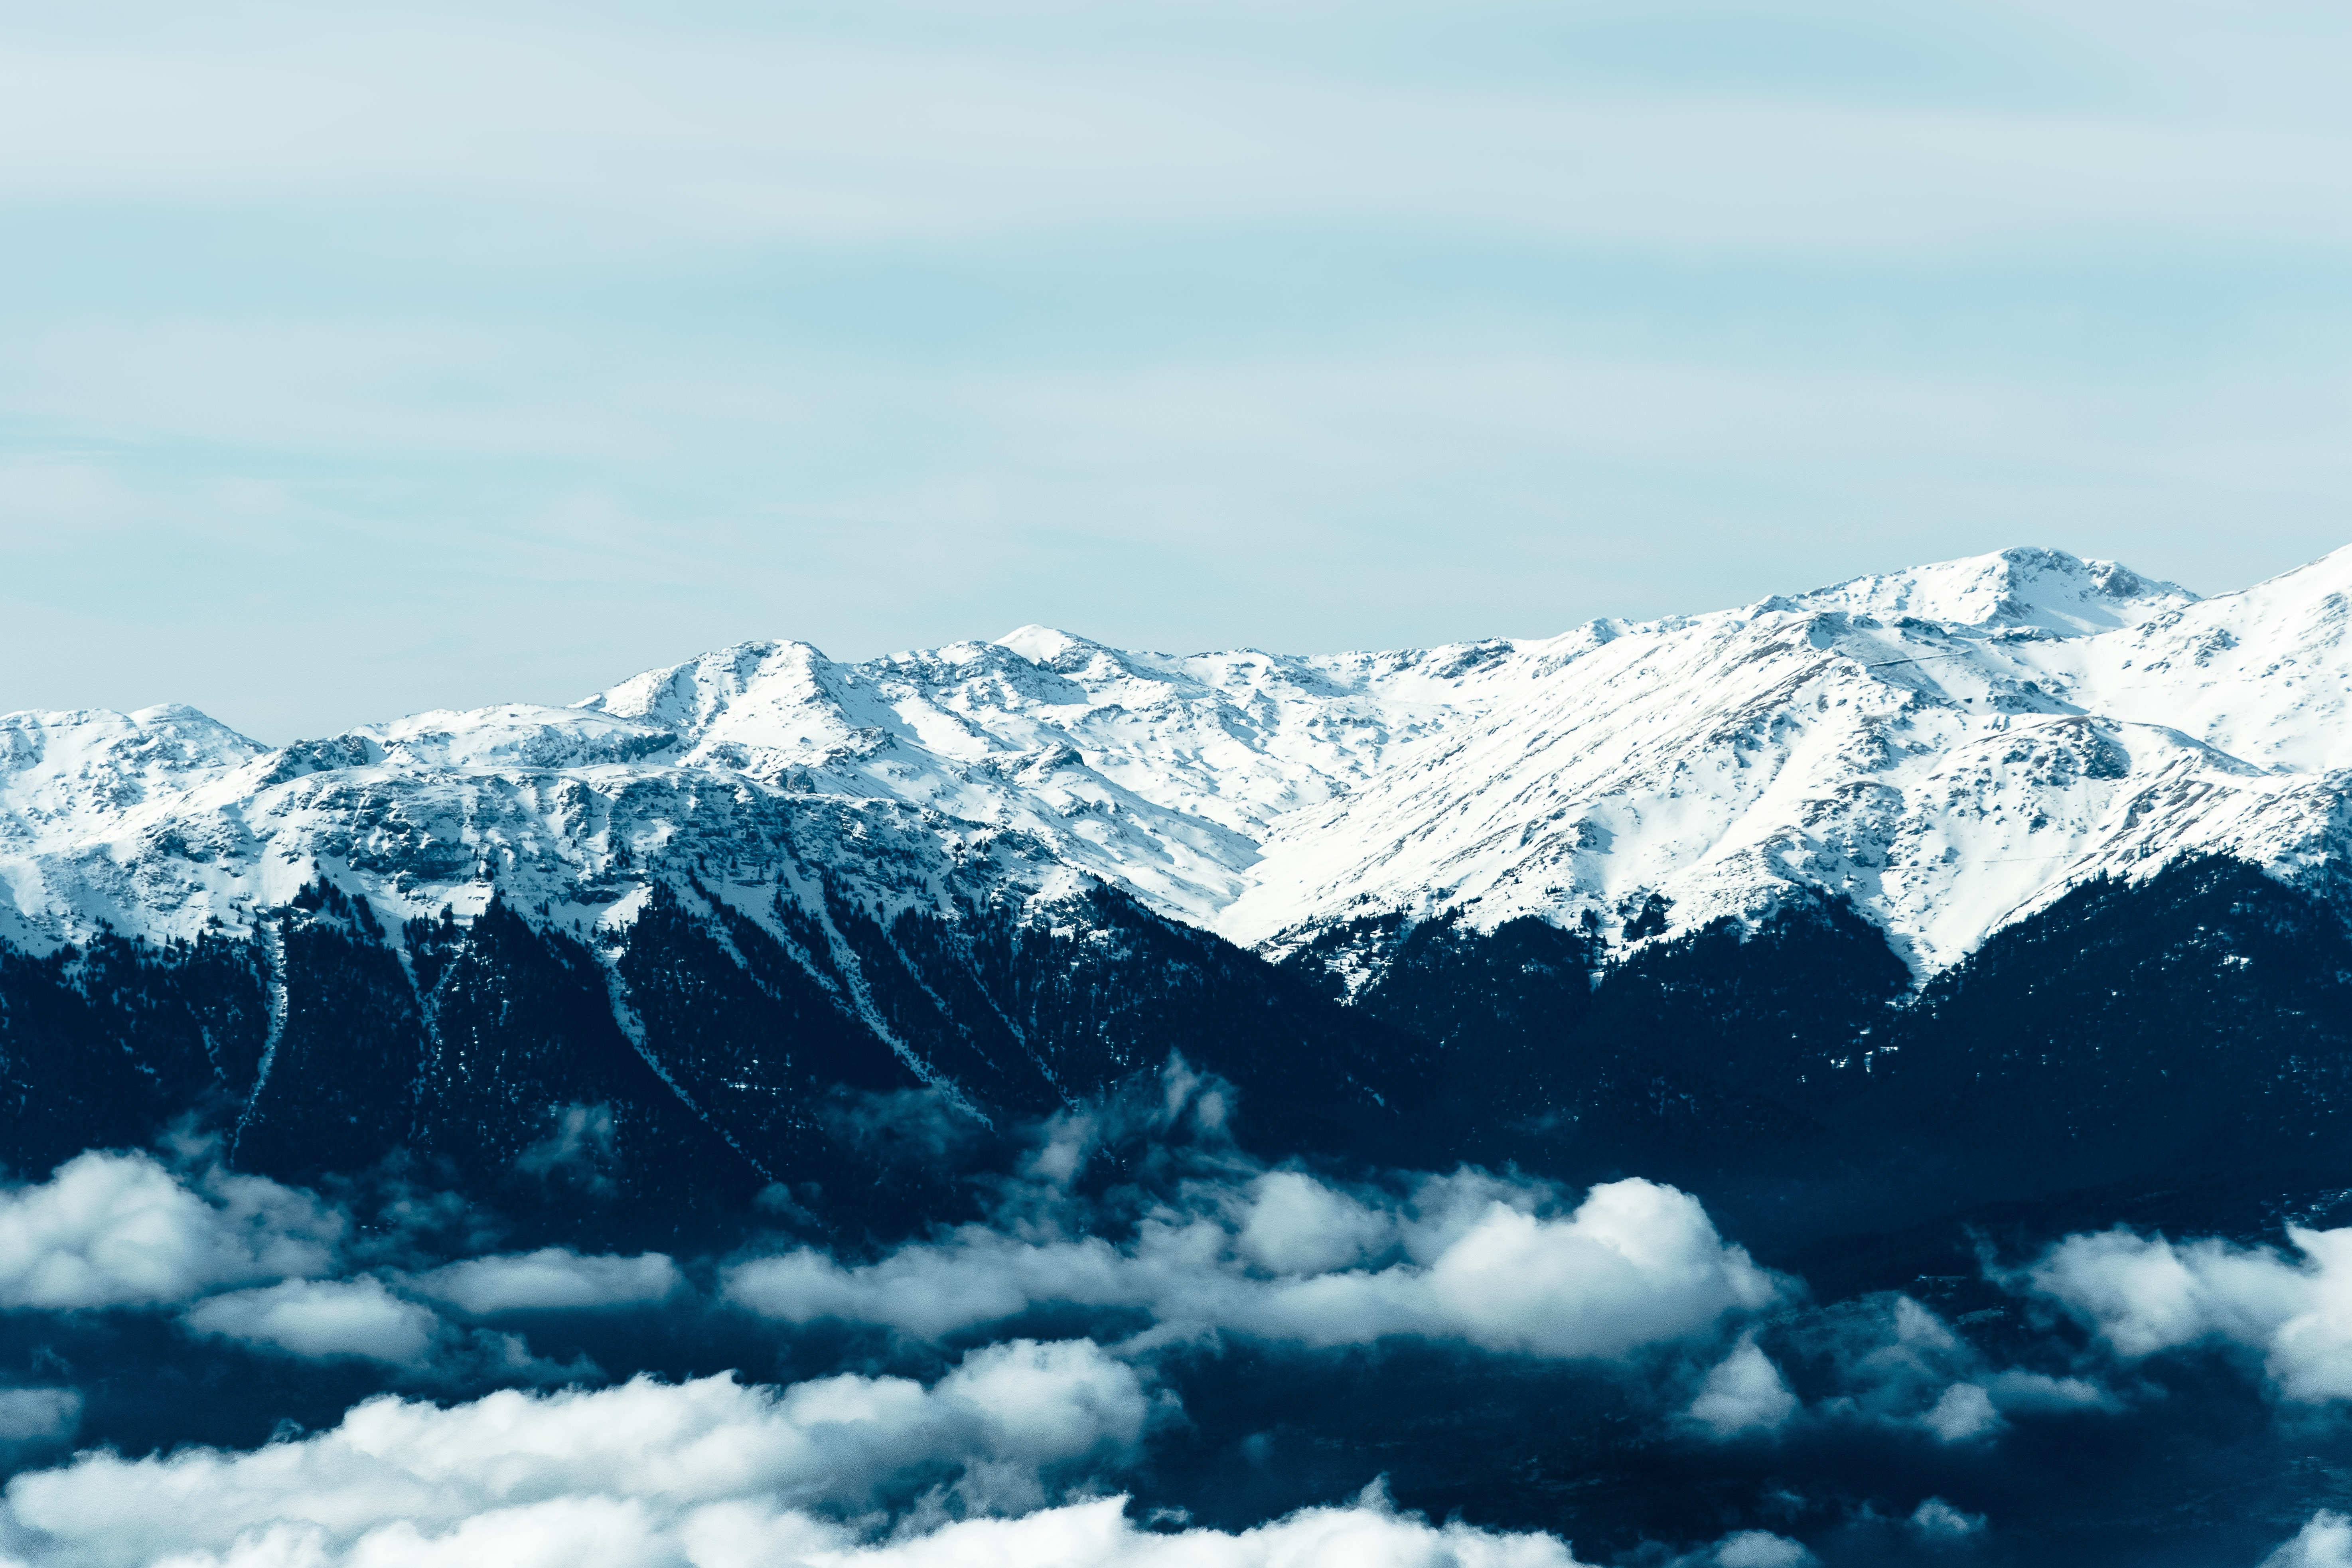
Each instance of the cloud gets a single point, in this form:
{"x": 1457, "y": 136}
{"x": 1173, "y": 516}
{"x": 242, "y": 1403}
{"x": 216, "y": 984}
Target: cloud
{"x": 2146, "y": 1294}
{"x": 1296, "y": 1224}
{"x": 551, "y": 1277}
{"x": 1893, "y": 1363}
{"x": 1962, "y": 1411}
{"x": 1759, "y": 1549}
{"x": 29, "y": 1415}
{"x": 2323, "y": 1541}
{"x": 322, "y": 1317}
{"x": 777, "y": 132}
{"x": 1939, "y": 1520}
{"x": 602, "y": 1530}
{"x": 705, "y": 1472}
{"x": 2016, "y": 1390}
{"x": 1467, "y": 1256}
{"x": 1097, "y": 1535}
{"x": 119, "y": 1229}
{"x": 579, "y": 1150}
{"x": 1745, "y": 1392}
{"x": 123, "y": 1230}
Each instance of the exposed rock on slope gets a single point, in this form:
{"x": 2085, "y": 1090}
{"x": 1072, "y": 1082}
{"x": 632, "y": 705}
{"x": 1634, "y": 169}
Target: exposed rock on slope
{"x": 1946, "y": 749}
{"x": 1643, "y": 897}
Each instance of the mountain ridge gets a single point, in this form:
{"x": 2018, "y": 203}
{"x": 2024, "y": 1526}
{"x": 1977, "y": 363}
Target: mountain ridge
{"x": 1947, "y": 749}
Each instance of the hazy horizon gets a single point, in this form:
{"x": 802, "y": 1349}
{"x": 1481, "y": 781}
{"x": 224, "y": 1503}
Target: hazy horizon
{"x": 360, "y": 366}
{"x": 609, "y": 679}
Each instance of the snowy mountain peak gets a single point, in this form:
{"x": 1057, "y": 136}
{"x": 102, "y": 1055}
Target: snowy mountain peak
{"x": 58, "y": 770}
{"x": 689, "y": 699}
{"x": 1046, "y": 645}
{"x": 2043, "y": 590}
{"x": 1945, "y": 749}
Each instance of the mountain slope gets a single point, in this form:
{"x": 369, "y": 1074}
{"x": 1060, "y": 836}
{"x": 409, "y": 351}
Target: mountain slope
{"x": 1947, "y": 748}
{"x": 1661, "y": 897}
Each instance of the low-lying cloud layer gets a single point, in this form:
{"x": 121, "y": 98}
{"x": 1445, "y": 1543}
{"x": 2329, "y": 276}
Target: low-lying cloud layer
{"x": 1285, "y": 1256}
{"x": 713, "y": 1468}
{"x": 243, "y": 1258}
{"x": 714, "y": 1474}
{"x": 599, "y": 1529}
{"x": 551, "y": 1277}
{"x": 1507, "y": 1265}
{"x": 2142, "y": 1294}
{"x": 2325, "y": 1542}
{"x": 1166, "y": 1238}
{"x": 322, "y": 1318}
{"x": 109, "y": 1229}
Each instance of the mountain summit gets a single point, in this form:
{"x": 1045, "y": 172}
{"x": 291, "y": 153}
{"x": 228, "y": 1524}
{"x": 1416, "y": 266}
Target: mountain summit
{"x": 1944, "y": 750}
{"x": 1887, "y": 876}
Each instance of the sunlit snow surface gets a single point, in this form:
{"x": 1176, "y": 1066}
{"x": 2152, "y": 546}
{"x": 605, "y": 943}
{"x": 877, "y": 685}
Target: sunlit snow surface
{"x": 1949, "y": 747}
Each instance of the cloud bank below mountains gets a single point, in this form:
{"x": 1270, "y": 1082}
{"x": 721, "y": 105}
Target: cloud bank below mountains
{"x": 1008, "y": 1452}
{"x": 319, "y": 1318}
{"x": 2325, "y": 1542}
{"x": 1502, "y": 1264}
{"x": 2143, "y": 1295}
{"x": 1003, "y": 1457}
{"x": 645, "y": 1452}
{"x": 709, "y": 1473}
{"x": 110, "y": 1230}
{"x": 245, "y": 1258}
{"x": 1287, "y": 1258}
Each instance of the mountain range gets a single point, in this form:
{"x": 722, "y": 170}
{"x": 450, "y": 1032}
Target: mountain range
{"x": 1711, "y": 894}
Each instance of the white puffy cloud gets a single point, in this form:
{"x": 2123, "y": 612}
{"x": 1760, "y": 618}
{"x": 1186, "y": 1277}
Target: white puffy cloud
{"x": 2323, "y": 1541}
{"x": 1097, "y": 1535}
{"x": 1759, "y": 1549}
{"x": 2145, "y": 1294}
{"x": 1743, "y": 1392}
{"x": 706, "y": 1473}
{"x": 119, "y": 1229}
{"x": 1962, "y": 1411}
{"x": 551, "y": 1276}
{"x": 123, "y": 1230}
{"x": 1296, "y": 1224}
{"x": 1467, "y": 1256}
{"x": 606, "y": 1531}
{"x": 322, "y": 1318}
{"x": 1939, "y": 1520}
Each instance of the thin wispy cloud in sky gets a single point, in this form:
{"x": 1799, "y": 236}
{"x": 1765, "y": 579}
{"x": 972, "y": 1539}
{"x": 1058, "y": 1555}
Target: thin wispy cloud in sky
{"x": 583, "y": 341}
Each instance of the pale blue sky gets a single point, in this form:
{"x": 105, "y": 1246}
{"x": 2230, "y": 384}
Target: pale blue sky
{"x": 434, "y": 355}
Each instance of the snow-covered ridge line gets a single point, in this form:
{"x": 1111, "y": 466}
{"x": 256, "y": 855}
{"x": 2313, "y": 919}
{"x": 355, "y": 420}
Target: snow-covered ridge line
{"x": 1950, "y": 748}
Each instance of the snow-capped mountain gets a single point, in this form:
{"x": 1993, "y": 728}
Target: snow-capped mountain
{"x": 1947, "y": 749}
{"x": 1892, "y": 922}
